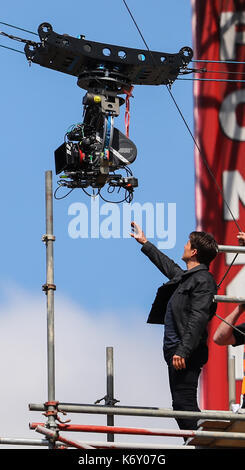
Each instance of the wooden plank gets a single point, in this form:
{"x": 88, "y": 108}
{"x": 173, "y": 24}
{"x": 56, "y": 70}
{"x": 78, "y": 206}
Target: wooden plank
{"x": 224, "y": 425}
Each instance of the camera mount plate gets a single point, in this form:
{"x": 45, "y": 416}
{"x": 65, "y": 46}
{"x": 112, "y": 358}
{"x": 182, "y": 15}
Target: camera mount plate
{"x": 118, "y": 66}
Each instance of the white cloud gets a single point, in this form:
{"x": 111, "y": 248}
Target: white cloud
{"x": 81, "y": 338}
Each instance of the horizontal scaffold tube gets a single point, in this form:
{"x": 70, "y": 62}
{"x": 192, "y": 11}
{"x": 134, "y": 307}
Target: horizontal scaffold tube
{"x": 135, "y": 445}
{"x": 142, "y": 431}
{"x": 140, "y": 411}
{"x": 230, "y": 299}
{"x": 23, "y": 441}
{"x": 96, "y": 444}
{"x": 231, "y": 249}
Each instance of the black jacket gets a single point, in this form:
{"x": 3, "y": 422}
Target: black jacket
{"x": 192, "y": 303}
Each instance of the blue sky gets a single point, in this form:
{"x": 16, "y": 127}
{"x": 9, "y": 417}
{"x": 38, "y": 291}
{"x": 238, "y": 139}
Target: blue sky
{"x": 37, "y": 107}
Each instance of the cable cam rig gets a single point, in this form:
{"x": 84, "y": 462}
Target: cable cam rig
{"x": 94, "y": 149}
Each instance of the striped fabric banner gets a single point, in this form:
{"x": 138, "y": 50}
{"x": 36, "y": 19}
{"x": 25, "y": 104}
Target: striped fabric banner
{"x": 219, "y": 119}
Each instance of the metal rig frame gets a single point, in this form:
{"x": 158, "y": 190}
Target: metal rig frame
{"x": 106, "y": 71}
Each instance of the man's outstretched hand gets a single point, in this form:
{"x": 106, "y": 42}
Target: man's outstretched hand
{"x": 138, "y": 233}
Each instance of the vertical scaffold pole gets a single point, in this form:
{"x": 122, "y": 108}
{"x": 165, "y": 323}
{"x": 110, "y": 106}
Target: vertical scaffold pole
{"x": 231, "y": 378}
{"x": 110, "y": 388}
{"x": 49, "y": 289}
{"x": 243, "y": 382}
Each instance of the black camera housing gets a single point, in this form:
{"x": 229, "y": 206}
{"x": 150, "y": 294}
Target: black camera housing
{"x": 81, "y": 159}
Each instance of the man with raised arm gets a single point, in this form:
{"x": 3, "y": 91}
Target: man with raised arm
{"x": 184, "y": 305}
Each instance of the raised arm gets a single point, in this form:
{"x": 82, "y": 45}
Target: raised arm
{"x": 167, "y": 266}
{"x": 224, "y": 333}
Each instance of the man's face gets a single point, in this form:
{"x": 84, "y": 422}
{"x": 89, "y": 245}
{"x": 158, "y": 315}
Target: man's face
{"x": 188, "y": 252}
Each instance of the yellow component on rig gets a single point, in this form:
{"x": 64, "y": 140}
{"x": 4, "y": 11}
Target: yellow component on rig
{"x": 97, "y": 99}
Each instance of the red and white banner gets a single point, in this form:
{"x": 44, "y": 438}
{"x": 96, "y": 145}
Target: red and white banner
{"x": 219, "y": 119}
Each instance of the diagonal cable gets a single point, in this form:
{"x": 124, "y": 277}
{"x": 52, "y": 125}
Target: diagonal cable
{"x": 187, "y": 126}
{"x": 192, "y": 136}
{"x": 17, "y": 27}
{"x": 12, "y": 49}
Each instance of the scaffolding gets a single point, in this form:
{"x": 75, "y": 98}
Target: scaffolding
{"x": 215, "y": 428}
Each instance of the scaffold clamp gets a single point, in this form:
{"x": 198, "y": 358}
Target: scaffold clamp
{"x": 108, "y": 401}
{"x": 48, "y": 237}
{"x": 47, "y": 287}
{"x": 55, "y": 411}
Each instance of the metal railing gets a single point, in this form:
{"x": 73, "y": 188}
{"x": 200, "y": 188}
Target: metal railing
{"x": 229, "y": 298}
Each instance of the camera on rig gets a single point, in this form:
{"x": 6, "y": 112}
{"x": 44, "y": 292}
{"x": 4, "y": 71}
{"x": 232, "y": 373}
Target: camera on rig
{"x": 93, "y": 149}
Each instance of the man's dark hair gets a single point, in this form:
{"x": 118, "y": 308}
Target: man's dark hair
{"x": 205, "y": 245}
